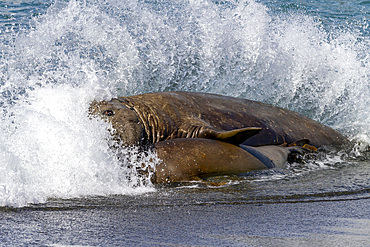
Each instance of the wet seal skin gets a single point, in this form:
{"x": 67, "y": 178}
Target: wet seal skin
{"x": 154, "y": 117}
{"x": 197, "y": 135}
{"x": 193, "y": 159}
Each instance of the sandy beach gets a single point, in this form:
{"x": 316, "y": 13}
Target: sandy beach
{"x": 324, "y": 223}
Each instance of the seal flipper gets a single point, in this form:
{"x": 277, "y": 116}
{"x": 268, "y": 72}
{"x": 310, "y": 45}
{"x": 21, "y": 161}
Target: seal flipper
{"x": 276, "y": 156}
{"x": 236, "y": 136}
{"x": 304, "y": 143}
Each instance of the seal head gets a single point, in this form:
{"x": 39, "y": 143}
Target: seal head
{"x": 124, "y": 120}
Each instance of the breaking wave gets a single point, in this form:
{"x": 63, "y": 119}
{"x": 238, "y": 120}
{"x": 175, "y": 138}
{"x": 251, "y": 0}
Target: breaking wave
{"x": 54, "y": 62}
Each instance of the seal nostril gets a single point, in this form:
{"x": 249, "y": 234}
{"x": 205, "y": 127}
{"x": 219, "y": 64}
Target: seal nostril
{"x": 108, "y": 113}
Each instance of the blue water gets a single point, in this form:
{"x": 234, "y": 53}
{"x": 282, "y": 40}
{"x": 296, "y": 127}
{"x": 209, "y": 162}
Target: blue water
{"x": 58, "y": 56}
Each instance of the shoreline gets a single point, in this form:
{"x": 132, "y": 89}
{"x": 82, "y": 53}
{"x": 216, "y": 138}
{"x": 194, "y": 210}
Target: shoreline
{"x": 330, "y": 223}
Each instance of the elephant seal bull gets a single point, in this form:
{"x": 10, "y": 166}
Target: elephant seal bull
{"x": 154, "y": 117}
{"x": 189, "y": 159}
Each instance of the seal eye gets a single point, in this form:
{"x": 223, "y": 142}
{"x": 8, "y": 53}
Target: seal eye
{"x": 108, "y": 113}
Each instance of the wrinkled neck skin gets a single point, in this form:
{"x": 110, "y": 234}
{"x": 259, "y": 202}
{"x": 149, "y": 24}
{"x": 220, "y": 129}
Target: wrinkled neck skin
{"x": 138, "y": 122}
{"x": 157, "y": 123}
{"x": 161, "y": 122}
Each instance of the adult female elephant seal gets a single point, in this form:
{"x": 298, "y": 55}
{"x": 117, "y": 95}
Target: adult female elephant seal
{"x": 154, "y": 117}
{"x": 192, "y": 159}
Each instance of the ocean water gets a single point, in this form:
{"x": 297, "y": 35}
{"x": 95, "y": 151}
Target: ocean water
{"x": 58, "y": 56}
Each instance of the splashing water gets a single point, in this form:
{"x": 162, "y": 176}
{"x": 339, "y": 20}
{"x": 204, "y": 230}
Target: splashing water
{"x": 55, "y": 63}
{"x": 52, "y": 149}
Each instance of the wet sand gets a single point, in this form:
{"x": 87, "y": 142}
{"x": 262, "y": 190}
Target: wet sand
{"x": 321, "y": 223}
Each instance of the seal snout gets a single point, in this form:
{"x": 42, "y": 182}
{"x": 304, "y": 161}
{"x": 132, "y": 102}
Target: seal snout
{"x": 124, "y": 120}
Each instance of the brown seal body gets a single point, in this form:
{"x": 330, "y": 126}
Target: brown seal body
{"x": 189, "y": 159}
{"x": 154, "y": 117}
{"x": 192, "y": 159}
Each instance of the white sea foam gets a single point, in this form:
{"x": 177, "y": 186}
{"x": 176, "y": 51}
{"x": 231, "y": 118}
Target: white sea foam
{"x": 52, "y": 149}
{"x": 79, "y": 51}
